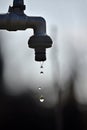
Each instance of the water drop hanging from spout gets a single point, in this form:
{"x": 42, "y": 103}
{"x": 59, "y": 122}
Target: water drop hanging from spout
{"x": 41, "y": 64}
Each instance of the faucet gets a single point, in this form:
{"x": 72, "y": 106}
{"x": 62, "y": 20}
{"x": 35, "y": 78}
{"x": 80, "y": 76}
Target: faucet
{"x": 15, "y": 20}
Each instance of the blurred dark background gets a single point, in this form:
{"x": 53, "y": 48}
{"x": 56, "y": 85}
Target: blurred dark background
{"x": 24, "y": 110}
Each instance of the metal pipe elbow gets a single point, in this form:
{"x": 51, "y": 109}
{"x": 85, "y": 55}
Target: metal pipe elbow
{"x": 38, "y": 24}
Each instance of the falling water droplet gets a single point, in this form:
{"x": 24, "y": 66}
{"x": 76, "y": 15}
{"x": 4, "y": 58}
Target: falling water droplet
{"x": 41, "y": 72}
{"x": 41, "y": 99}
{"x": 41, "y": 66}
{"x": 39, "y": 88}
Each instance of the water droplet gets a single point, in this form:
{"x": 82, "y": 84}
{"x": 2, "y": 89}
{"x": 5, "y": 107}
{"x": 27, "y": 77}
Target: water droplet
{"x": 41, "y": 99}
{"x": 41, "y": 72}
{"x": 41, "y": 66}
{"x": 39, "y": 88}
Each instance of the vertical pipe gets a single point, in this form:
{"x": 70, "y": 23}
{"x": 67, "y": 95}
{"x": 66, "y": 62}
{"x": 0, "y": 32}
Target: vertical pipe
{"x": 18, "y": 2}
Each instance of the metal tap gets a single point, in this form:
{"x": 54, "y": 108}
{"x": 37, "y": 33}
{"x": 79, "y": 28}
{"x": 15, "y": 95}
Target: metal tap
{"x": 15, "y": 20}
